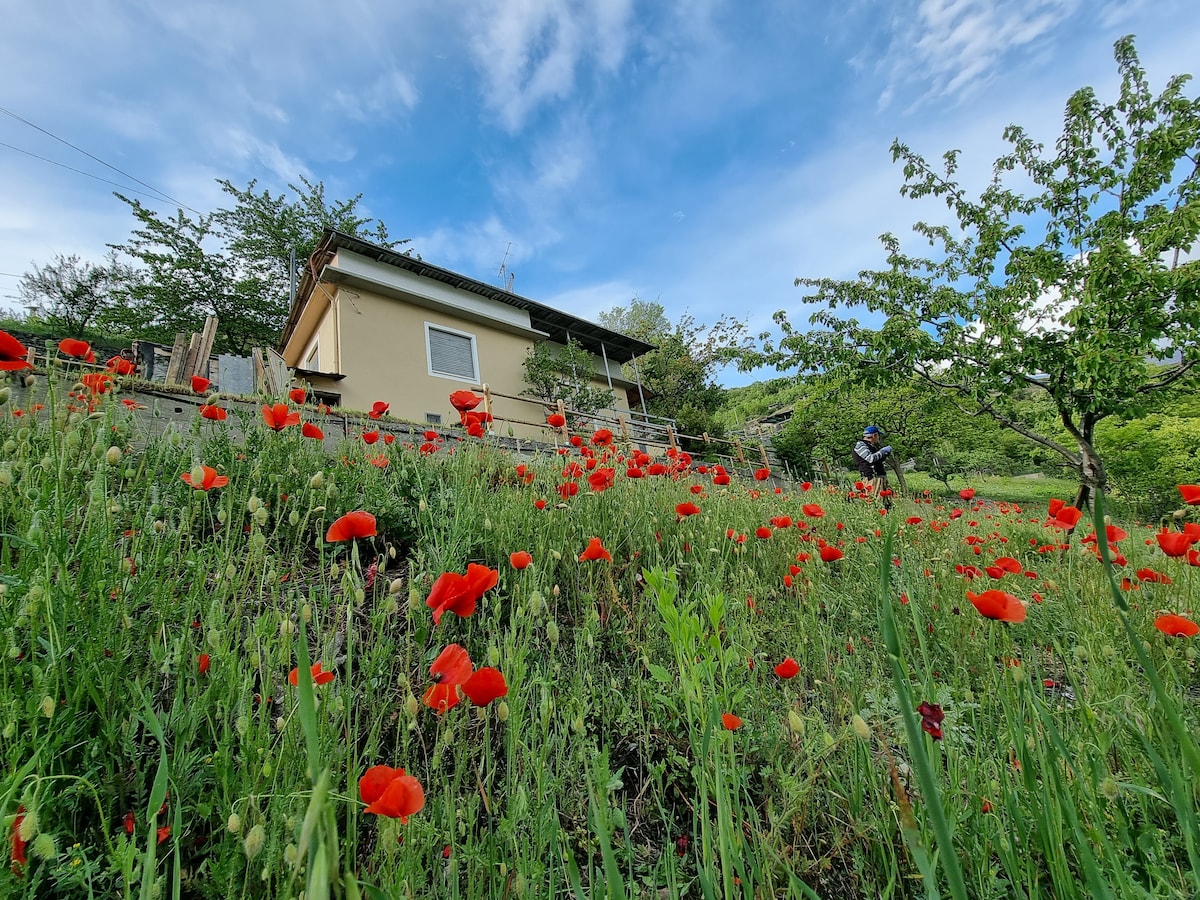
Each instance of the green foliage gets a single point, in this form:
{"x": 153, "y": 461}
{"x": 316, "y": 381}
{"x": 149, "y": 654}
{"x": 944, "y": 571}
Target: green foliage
{"x": 1065, "y": 285}
{"x": 564, "y": 373}
{"x": 1147, "y": 458}
{"x": 1068, "y": 765}
{"x": 679, "y": 377}
{"x": 74, "y": 297}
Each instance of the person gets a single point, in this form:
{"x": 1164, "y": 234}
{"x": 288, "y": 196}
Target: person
{"x": 123, "y": 363}
{"x": 870, "y": 457}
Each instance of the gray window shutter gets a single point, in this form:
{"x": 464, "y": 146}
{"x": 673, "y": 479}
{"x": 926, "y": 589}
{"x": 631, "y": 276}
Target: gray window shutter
{"x": 451, "y": 354}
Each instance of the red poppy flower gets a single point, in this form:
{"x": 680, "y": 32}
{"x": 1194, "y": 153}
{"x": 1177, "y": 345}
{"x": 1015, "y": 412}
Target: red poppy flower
{"x": 452, "y": 669}
{"x": 378, "y": 409}
{"x": 203, "y": 663}
{"x": 730, "y": 721}
{"x": 1189, "y": 492}
{"x": 317, "y": 670}
{"x": 554, "y": 420}
{"x": 683, "y": 510}
{"x": 18, "y": 843}
{"x": 1008, "y": 564}
{"x": 390, "y": 792}
{"x": 97, "y": 382}
{"x": 932, "y": 717}
{"x": 76, "y": 349}
{"x": 813, "y": 510}
{"x": 602, "y": 437}
{"x": 1176, "y": 626}
{"x": 634, "y": 472}
{"x": 762, "y": 474}
{"x": 215, "y": 413}
{"x": 995, "y": 604}
{"x": 831, "y": 554}
{"x": 595, "y": 551}
{"x": 1065, "y": 517}
{"x": 789, "y": 668}
{"x": 719, "y": 479}
{"x": 539, "y": 503}
{"x": 12, "y": 354}
{"x": 459, "y": 594}
{"x": 967, "y": 493}
{"x": 279, "y": 417}
{"x": 297, "y": 395}
{"x": 309, "y": 430}
{"x": 568, "y": 489}
{"x": 200, "y": 385}
{"x": 465, "y": 401}
{"x": 210, "y": 480}
{"x": 370, "y": 437}
{"x": 485, "y": 685}
{"x": 521, "y": 559}
{"x": 762, "y": 532}
{"x": 1173, "y": 543}
{"x": 601, "y": 479}
{"x": 118, "y": 365}
{"x": 130, "y": 822}
{"x": 131, "y": 404}
{"x": 356, "y": 524}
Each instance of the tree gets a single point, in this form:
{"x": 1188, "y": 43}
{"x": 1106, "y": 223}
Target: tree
{"x": 73, "y": 295}
{"x": 1070, "y": 288}
{"x": 564, "y": 373}
{"x": 680, "y": 376}
{"x": 234, "y": 263}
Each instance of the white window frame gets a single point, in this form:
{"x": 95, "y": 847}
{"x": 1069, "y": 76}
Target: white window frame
{"x": 314, "y": 351}
{"x": 474, "y": 354}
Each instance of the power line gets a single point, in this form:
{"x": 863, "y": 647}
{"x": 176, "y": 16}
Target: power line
{"x": 88, "y": 174}
{"x": 99, "y": 160}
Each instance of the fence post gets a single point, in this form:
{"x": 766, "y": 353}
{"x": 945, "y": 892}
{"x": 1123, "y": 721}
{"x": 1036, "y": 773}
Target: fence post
{"x": 562, "y": 411}
{"x": 624, "y": 430}
{"x": 671, "y": 437}
{"x": 737, "y": 444}
{"x": 762, "y": 448}
{"x": 706, "y": 439}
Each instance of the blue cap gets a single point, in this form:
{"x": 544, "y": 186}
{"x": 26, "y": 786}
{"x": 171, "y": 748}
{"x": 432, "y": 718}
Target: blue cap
{"x": 870, "y": 429}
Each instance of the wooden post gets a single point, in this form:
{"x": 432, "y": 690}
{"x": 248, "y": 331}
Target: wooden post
{"x": 562, "y": 411}
{"x": 762, "y": 448}
{"x": 178, "y": 359}
{"x": 624, "y": 430}
{"x": 671, "y": 437}
{"x": 204, "y": 348}
{"x": 707, "y": 440}
{"x": 737, "y": 444}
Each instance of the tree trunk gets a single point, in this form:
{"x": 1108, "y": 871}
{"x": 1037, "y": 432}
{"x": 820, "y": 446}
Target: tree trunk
{"x": 1092, "y": 476}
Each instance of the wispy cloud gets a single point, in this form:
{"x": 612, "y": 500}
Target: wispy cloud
{"x": 529, "y": 52}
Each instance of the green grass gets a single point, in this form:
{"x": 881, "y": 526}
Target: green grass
{"x": 1066, "y": 766}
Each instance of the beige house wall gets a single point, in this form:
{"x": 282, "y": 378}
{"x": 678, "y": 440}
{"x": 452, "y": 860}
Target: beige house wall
{"x": 368, "y": 324}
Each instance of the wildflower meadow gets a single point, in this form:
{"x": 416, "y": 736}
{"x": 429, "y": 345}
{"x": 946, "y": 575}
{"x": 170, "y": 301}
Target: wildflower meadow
{"x": 237, "y": 665}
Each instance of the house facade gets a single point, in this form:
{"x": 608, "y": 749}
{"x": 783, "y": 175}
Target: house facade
{"x": 371, "y": 324}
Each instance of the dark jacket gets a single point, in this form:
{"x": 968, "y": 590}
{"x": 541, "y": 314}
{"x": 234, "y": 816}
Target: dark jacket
{"x": 869, "y": 460}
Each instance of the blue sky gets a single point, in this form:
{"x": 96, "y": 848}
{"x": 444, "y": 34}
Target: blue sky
{"x": 703, "y": 154}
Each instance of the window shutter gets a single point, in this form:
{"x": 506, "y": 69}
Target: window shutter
{"x": 451, "y": 354}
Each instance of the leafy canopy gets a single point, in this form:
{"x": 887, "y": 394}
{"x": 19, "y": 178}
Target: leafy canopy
{"x": 1068, "y": 282}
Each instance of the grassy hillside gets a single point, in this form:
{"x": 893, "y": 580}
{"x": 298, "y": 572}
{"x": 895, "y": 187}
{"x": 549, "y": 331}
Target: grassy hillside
{"x": 652, "y": 738}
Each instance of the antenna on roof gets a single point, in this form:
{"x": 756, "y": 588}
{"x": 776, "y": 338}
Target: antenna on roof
{"x": 506, "y": 277}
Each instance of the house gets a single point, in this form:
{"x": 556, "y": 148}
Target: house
{"x": 371, "y": 324}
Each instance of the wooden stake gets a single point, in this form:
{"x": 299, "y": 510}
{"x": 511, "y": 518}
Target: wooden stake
{"x": 178, "y": 359}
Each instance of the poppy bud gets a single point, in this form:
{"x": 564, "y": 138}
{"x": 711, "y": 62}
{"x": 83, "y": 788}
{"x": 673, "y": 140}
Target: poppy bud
{"x": 317, "y": 481}
{"x": 48, "y": 707}
{"x": 555, "y": 590}
{"x": 234, "y": 824}
{"x": 44, "y": 847}
{"x": 306, "y": 613}
{"x": 253, "y": 505}
{"x": 5, "y": 478}
{"x": 412, "y": 706}
{"x": 30, "y": 381}
{"x": 502, "y": 711}
{"x": 29, "y": 824}
{"x": 4, "y": 392}
{"x": 552, "y": 633}
{"x": 396, "y": 586}
{"x": 198, "y": 474}
{"x": 113, "y": 456}
{"x": 254, "y": 841}
{"x": 260, "y": 515}
{"x": 422, "y": 505}
{"x": 334, "y": 572}
{"x": 795, "y": 722}
{"x": 861, "y": 728}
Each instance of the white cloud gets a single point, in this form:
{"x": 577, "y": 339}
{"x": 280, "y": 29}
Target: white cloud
{"x": 529, "y": 51}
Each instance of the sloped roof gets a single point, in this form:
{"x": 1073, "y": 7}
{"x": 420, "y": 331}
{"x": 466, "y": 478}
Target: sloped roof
{"x": 558, "y": 325}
